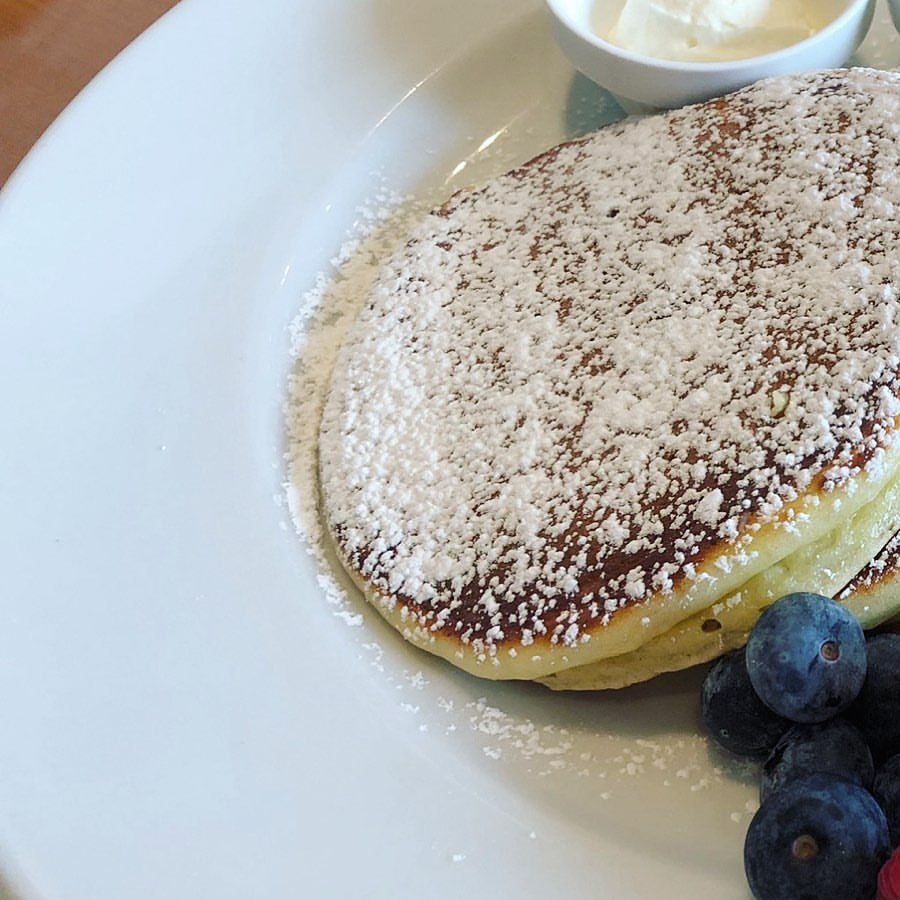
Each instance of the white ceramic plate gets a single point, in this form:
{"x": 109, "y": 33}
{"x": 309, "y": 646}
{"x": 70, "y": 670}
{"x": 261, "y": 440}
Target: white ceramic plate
{"x": 188, "y": 707}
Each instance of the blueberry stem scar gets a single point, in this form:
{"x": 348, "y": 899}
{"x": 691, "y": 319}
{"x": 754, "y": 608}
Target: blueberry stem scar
{"x": 805, "y": 847}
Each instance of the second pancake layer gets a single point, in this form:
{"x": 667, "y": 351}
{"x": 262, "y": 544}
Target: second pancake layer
{"x": 851, "y": 562}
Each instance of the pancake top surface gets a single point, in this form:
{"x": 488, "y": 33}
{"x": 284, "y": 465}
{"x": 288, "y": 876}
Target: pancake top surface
{"x": 579, "y": 383}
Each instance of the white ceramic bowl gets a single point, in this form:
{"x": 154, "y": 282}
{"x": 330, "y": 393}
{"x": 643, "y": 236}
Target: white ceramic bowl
{"x": 661, "y": 83}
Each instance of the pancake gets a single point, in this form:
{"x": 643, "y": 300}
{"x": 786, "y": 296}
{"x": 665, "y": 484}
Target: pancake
{"x": 877, "y": 584}
{"x": 597, "y": 413}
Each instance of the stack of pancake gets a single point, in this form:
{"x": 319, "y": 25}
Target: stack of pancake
{"x": 600, "y": 412}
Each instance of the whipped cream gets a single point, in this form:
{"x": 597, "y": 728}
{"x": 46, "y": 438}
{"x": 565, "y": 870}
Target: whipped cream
{"x": 715, "y": 30}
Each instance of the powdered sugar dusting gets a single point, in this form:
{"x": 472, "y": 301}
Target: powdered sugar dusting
{"x": 540, "y": 414}
{"x": 325, "y": 314}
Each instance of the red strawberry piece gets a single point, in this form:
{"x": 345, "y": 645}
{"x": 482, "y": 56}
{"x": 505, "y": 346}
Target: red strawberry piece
{"x": 889, "y": 879}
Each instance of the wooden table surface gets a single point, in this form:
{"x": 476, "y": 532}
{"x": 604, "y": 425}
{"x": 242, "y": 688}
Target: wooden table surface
{"x": 49, "y": 50}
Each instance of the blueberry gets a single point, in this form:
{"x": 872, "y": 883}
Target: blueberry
{"x": 834, "y": 747}
{"x": 886, "y": 791}
{"x": 876, "y": 711}
{"x": 819, "y": 838}
{"x": 806, "y": 657}
{"x": 732, "y": 713}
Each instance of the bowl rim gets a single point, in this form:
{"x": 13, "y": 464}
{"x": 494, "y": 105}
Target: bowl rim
{"x": 561, "y": 10}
